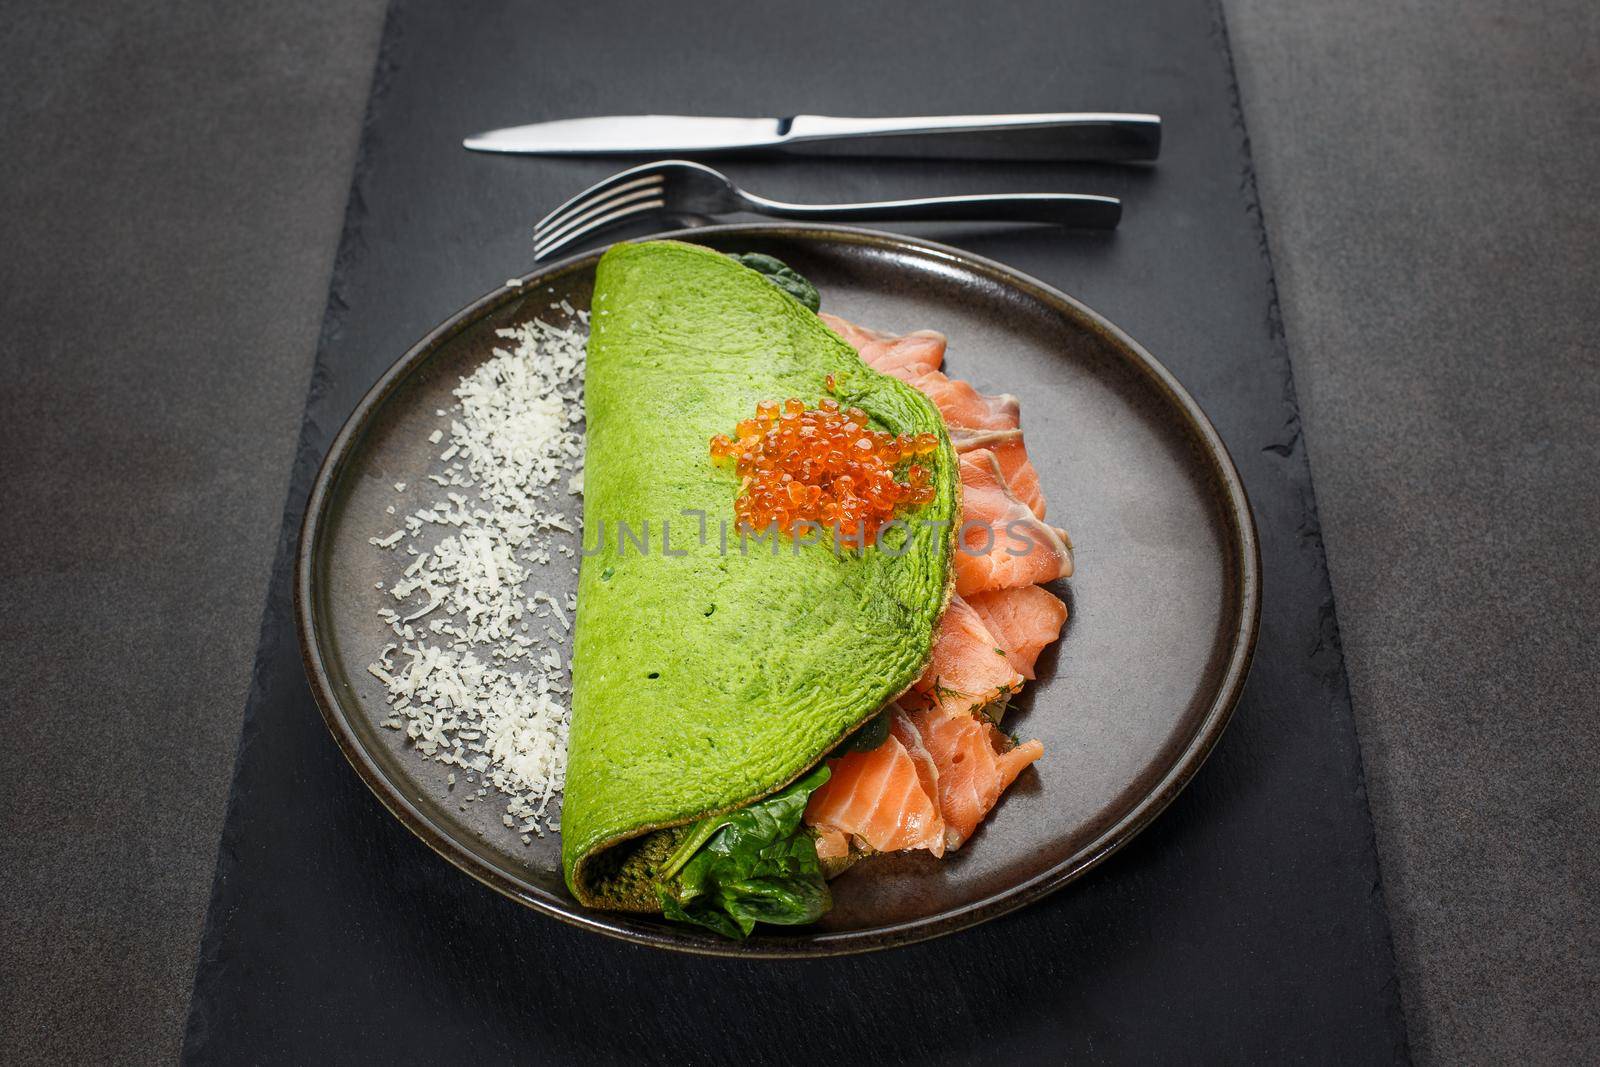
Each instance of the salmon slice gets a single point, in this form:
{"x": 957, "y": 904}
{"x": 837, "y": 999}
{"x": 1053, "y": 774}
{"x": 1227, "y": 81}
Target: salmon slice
{"x": 916, "y": 358}
{"x": 832, "y": 845}
{"x": 902, "y": 729}
{"x": 942, "y": 769}
{"x": 1003, "y": 544}
{"x": 969, "y": 668}
{"x": 1023, "y": 621}
{"x": 1009, "y": 449}
{"x": 885, "y": 797}
{"x": 905, "y": 357}
{"x": 964, "y": 408}
{"x": 976, "y": 764}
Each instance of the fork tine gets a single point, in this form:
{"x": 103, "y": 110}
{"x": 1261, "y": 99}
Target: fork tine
{"x": 584, "y": 203}
{"x": 622, "y": 195}
{"x": 588, "y": 196}
{"x": 597, "y": 217}
{"x": 601, "y": 223}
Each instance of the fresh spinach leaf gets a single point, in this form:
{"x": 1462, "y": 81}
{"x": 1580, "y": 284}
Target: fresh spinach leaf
{"x": 757, "y": 864}
{"x": 783, "y": 276}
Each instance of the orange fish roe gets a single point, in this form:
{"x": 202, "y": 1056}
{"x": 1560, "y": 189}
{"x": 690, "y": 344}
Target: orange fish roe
{"x": 824, "y": 466}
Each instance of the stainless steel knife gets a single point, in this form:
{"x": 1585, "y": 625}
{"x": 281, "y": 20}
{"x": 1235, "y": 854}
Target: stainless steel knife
{"x": 1085, "y": 135}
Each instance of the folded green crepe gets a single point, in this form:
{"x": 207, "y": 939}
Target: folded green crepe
{"x": 707, "y": 677}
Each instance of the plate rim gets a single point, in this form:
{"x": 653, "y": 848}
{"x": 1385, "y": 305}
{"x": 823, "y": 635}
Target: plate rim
{"x": 1177, "y": 775}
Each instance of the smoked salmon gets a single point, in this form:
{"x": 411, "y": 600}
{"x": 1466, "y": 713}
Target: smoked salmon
{"x": 976, "y": 764}
{"x": 916, "y": 358}
{"x": 1023, "y": 621}
{"x": 964, "y": 408}
{"x": 832, "y": 844}
{"x": 969, "y": 668}
{"x": 886, "y": 797}
{"x": 944, "y": 765}
{"x": 1012, "y": 454}
{"x": 1003, "y": 544}
{"x": 906, "y": 357}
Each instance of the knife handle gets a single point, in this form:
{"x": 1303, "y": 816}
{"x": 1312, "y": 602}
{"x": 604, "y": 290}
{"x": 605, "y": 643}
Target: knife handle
{"x": 1084, "y": 136}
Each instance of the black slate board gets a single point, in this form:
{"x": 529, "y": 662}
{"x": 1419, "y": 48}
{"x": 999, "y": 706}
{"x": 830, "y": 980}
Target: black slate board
{"x": 1246, "y": 924}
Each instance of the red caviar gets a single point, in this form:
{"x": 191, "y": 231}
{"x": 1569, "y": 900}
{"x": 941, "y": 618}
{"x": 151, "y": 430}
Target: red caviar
{"x": 822, "y": 465}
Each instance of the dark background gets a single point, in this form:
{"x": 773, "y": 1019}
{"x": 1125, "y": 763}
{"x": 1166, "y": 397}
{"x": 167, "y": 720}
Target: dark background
{"x": 174, "y": 185}
{"x": 1246, "y": 925}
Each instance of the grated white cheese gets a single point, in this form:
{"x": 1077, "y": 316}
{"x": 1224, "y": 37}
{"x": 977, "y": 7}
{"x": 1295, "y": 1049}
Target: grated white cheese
{"x": 469, "y": 685}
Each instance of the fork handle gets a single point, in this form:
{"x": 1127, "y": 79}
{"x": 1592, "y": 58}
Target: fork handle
{"x": 1078, "y": 210}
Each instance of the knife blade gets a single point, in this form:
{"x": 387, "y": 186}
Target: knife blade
{"x": 1098, "y": 136}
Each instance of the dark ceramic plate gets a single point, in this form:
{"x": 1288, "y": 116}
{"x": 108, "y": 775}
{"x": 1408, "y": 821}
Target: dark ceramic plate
{"x": 1164, "y": 604}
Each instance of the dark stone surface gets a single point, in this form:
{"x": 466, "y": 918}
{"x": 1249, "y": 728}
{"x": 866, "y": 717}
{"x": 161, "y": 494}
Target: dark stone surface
{"x": 1428, "y": 177}
{"x": 1247, "y": 924}
{"x": 173, "y": 179}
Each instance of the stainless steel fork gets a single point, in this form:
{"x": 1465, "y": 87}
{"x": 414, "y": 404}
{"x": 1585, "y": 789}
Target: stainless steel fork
{"x": 676, "y": 186}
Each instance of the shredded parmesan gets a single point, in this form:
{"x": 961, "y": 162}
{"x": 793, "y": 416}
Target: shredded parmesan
{"x": 467, "y": 681}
